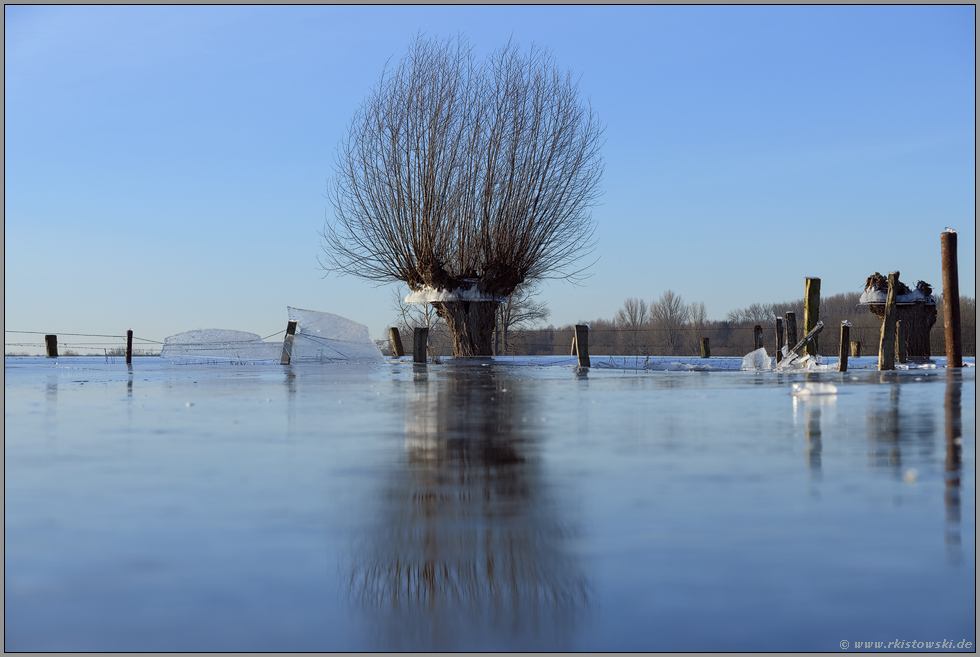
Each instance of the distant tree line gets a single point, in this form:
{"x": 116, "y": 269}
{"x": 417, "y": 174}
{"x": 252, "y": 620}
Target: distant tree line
{"x": 669, "y": 326}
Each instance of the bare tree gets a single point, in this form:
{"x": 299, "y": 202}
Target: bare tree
{"x": 520, "y": 310}
{"x": 630, "y": 320}
{"x": 667, "y": 315}
{"x": 698, "y": 314}
{"x": 465, "y": 179}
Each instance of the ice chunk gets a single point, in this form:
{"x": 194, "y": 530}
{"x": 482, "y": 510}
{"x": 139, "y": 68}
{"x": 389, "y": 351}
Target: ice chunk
{"x": 319, "y": 337}
{"x": 324, "y": 337}
{"x": 757, "y": 360}
{"x": 219, "y": 344}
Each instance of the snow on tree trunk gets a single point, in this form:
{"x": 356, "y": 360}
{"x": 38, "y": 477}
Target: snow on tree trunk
{"x": 471, "y": 325}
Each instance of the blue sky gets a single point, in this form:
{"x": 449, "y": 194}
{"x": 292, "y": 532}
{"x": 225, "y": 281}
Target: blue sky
{"x": 165, "y": 167}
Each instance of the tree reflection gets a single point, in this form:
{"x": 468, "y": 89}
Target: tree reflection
{"x": 469, "y": 534}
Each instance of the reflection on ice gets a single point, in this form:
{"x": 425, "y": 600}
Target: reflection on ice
{"x": 467, "y": 528}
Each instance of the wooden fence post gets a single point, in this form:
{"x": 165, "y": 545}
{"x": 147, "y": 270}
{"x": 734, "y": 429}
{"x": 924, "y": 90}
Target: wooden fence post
{"x": 420, "y": 344}
{"x": 855, "y": 348}
{"x": 574, "y": 347}
{"x": 790, "y": 330}
{"x": 582, "y": 345}
{"x": 51, "y": 345}
{"x": 757, "y": 336}
{"x": 129, "y": 347}
{"x": 397, "y": 350}
{"x": 287, "y": 343}
{"x": 811, "y": 311}
{"x": 705, "y": 348}
{"x": 845, "y": 342}
{"x": 951, "y": 301}
{"x": 780, "y": 341}
{"x": 886, "y": 347}
{"x": 901, "y": 353}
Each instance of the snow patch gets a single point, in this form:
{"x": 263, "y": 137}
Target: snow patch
{"x": 428, "y": 295}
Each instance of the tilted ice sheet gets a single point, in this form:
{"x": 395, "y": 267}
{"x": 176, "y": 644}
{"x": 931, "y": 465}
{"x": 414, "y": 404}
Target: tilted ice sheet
{"x": 323, "y": 337}
{"x": 219, "y": 344}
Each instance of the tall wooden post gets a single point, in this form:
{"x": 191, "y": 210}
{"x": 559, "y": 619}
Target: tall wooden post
{"x": 705, "y": 348}
{"x": 780, "y": 339}
{"x": 811, "y": 311}
{"x": 901, "y": 353}
{"x": 951, "y": 301}
{"x": 855, "y": 348}
{"x": 790, "y": 330}
{"x": 287, "y": 343}
{"x": 51, "y": 345}
{"x": 845, "y": 342}
{"x": 582, "y": 345}
{"x": 129, "y": 347}
{"x": 397, "y": 350}
{"x": 886, "y": 348}
{"x": 420, "y": 345}
{"x": 757, "y": 336}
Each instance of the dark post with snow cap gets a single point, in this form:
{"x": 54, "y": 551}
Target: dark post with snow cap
{"x": 287, "y": 343}
{"x": 780, "y": 341}
{"x": 790, "y": 330}
{"x": 582, "y": 345}
{"x": 845, "y": 342}
{"x": 811, "y": 311}
{"x": 951, "y": 300}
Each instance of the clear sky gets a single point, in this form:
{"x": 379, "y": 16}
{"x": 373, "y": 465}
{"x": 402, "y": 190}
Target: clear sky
{"x": 165, "y": 167}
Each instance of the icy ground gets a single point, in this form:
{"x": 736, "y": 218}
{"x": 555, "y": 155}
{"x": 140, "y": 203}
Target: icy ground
{"x": 484, "y": 506}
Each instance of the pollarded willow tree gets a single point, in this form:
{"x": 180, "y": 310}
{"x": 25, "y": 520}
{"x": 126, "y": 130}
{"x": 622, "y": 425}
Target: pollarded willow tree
{"x": 464, "y": 179}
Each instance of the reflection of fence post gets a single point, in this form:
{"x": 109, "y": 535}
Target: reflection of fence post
{"x": 855, "y": 349}
{"x": 779, "y": 339}
{"x": 757, "y": 336}
{"x": 705, "y": 348}
{"x": 951, "y": 301}
{"x": 51, "y": 345}
{"x": 582, "y": 345}
{"x": 901, "y": 354}
{"x": 129, "y": 347}
{"x": 811, "y": 311}
{"x": 790, "y": 329}
{"x": 886, "y": 347}
{"x": 397, "y": 350}
{"x": 845, "y": 342}
{"x": 287, "y": 344}
{"x": 420, "y": 341}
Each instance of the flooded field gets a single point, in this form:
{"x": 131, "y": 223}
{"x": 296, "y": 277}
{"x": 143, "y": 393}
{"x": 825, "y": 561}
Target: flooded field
{"x": 485, "y": 506}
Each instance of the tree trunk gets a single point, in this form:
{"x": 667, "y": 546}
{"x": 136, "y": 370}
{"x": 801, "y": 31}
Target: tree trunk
{"x": 471, "y": 325}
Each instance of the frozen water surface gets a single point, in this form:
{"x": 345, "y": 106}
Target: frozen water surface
{"x": 484, "y": 506}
